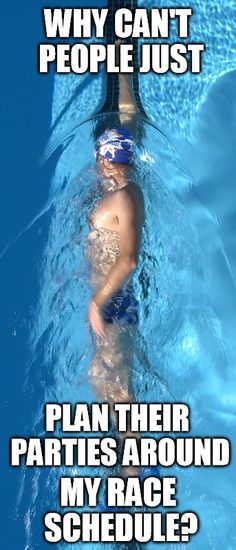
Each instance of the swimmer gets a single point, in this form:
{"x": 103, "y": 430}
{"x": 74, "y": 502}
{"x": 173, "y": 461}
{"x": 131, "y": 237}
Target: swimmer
{"x": 113, "y": 249}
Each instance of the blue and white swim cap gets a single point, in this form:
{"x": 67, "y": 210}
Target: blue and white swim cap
{"x": 116, "y": 145}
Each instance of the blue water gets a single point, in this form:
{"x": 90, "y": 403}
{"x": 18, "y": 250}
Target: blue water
{"x": 187, "y": 350}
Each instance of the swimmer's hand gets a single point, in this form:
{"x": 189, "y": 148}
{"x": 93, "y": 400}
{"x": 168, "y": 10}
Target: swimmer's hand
{"x": 95, "y": 319}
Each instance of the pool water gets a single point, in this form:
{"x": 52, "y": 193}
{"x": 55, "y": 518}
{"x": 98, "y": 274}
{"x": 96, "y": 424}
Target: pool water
{"x": 183, "y": 353}
{"x": 185, "y": 281}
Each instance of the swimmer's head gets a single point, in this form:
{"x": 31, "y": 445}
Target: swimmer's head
{"x": 116, "y": 145}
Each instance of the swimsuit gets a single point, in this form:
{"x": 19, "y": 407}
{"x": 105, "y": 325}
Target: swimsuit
{"x": 102, "y": 251}
{"x": 122, "y": 309}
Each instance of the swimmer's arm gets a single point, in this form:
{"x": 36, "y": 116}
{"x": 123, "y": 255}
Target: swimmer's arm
{"x": 130, "y": 236}
{"x": 128, "y": 108}
{"x": 127, "y": 103}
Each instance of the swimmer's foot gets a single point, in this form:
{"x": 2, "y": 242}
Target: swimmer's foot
{"x": 141, "y": 472}
{"x": 130, "y": 471}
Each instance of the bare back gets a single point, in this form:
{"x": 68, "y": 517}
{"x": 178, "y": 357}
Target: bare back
{"x": 109, "y": 213}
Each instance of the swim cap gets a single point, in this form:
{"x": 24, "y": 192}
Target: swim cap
{"x": 116, "y": 145}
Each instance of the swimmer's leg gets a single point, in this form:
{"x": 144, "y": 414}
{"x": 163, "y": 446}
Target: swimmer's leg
{"x": 111, "y": 368}
{"x": 111, "y": 373}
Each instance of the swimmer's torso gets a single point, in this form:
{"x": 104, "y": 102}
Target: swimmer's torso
{"x": 103, "y": 241}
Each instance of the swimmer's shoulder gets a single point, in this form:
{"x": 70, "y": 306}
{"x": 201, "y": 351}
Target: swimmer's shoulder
{"x": 131, "y": 196}
{"x": 131, "y": 190}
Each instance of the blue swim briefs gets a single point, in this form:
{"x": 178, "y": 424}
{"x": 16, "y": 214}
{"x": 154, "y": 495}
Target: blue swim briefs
{"x": 122, "y": 309}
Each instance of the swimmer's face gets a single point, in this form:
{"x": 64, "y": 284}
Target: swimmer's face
{"x": 105, "y": 167}
{"x": 111, "y": 173}
{"x": 107, "y": 172}
{"x": 108, "y": 169}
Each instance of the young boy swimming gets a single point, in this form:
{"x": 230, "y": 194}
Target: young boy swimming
{"x": 113, "y": 250}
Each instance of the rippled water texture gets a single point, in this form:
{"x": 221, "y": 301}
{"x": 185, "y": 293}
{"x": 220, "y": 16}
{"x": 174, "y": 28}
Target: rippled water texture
{"x": 185, "y": 281}
{"x": 172, "y": 101}
{"x": 185, "y": 350}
